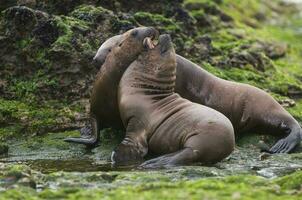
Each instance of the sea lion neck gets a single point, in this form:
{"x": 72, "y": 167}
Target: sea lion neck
{"x": 153, "y": 76}
{"x": 116, "y": 64}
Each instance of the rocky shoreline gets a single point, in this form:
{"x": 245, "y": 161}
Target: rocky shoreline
{"x": 46, "y": 76}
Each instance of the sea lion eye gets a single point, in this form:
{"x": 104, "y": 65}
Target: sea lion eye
{"x": 134, "y": 33}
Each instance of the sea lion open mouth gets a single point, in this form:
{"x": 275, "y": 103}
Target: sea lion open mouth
{"x": 150, "y": 42}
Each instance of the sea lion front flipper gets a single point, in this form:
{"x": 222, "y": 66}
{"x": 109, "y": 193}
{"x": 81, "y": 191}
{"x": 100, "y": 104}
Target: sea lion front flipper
{"x": 134, "y": 146}
{"x": 90, "y": 135}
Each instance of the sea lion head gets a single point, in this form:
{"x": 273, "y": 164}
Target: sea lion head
{"x": 129, "y": 43}
{"x": 105, "y": 48}
{"x": 160, "y": 56}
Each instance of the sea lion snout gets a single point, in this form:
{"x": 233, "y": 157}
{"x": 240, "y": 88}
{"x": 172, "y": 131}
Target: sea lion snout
{"x": 165, "y": 43}
{"x": 148, "y": 41}
{"x": 98, "y": 60}
{"x": 143, "y": 32}
{"x": 105, "y": 49}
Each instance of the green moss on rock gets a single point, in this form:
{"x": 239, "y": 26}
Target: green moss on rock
{"x": 91, "y": 13}
{"x": 66, "y": 27}
{"x": 26, "y": 119}
{"x": 3, "y": 148}
{"x": 291, "y": 182}
{"x": 233, "y": 187}
{"x": 296, "y": 111}
{"x": 158, "y": 21}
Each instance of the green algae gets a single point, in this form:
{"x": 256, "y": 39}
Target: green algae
{"x": 14, "y": 170}
{"x": 291, "y": 182}
{"x": 235, "y": 187}
{"x": 66, "y": 25}
{"x": 159, "y": 21}
{"x": 3, "y": 148}
{"x": 30, "y": 118}
{"x": 296, "y": 111}
{"x": 28, "y": 88}
{"x": 91, "y": 13}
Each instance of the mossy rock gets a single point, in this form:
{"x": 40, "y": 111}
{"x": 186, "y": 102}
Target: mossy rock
{"x": 158, "y": 21}
{"x": 238, "y": 187}
{"x": 19, "y": 21}
{"x": 291, "y": 182}
{"x": 3, "y": 148}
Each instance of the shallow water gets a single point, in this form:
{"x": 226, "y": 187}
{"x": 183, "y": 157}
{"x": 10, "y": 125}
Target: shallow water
{"x": 293, "y": 1}
{"x": 246, "y": 158}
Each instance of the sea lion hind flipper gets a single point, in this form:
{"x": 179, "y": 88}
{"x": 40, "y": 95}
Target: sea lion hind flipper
{"x": 182, "y": 157}
{"x": 89, "y": 142}
{"x": 90, "y": 135}
{"x": 289, "y": 143}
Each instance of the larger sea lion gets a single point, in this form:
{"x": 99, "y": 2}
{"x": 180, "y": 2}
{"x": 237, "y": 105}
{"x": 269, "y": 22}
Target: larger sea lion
{"x": 248, "y": 108}
{"x": 103, "y": 101}
{"x": 160, "y": 121}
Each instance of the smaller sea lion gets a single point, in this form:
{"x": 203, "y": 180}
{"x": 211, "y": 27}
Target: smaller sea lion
{"x": 120, "y": 51}
{"x": 106, "y": 48}
{"x": 158, "y": 120}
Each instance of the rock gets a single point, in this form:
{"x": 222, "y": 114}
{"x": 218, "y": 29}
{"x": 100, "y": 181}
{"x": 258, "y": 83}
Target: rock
{"x": 294, "y": 92}
{"x": 47, "y": 32}
{"x": 3, "y": 148}
{"x": 263, "y": 146}
{"x": 189, "y": 22}
{"x": 287, "y": 102}
{"x": 202, "y": 19}
{"x": 162, "y": 6}
{"x": 240, "y": 59}
{"x": 3, "y": 86}
{"x": 264, "y": 156}
{"x": 213, "y": 9}
{"x": 19, "y": 21}
{"x": 260, "y": 16}
{"x": 271, "y": 50}
{"x": 7, "y": 3}
{"x": 204, "y": 46}
{"x": 210, "y": 8}
{"x": 28, "y": 3}
{"x": 27, "y": 182}
{"x": 58, "y": 6}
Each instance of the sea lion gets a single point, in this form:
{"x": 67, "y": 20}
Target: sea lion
{"x": 160, "y": 121}
{"x": 106, "y": 47}
{"x": 248, "y": 108}
{"x": 103, "y": 101}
